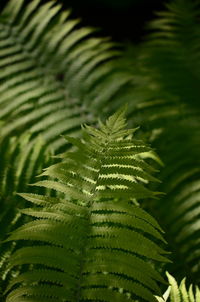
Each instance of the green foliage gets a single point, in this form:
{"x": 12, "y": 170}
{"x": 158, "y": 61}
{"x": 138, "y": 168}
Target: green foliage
{"x": 173, "y": 50}
{"x": 180, "y": 293}
{"x": 167, "y": 105}
{"x": 56, "y": 76}
{"x": 54, "y": 71}
{"x": 20, "y": 161}
{"x": 87, "y": 244}
{"x": 51, "y": 74}
{"x": 170, "y": 57}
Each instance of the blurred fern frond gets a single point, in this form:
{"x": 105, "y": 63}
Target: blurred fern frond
{"x": 172, "y": 50}
{"x": 52, "y": 71}
{"x": 168, "y": 102}
{"x": 20, "y": 161}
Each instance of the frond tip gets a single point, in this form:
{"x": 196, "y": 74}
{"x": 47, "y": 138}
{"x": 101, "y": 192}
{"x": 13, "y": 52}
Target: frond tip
{"x": 92, "y": 243}
{"x": 179, "y": 293}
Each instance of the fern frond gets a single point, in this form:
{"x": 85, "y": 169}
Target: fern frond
{"x": 19, "y": 162}
{"x": 172, "y": 52}
{"x": 53, "y": 71}
{"x": 95, "y": 240}
{"x": 180, "y": 293}
{"x": 55, "y": 77}
{"x": 181, "y": 178}
{"x": 173, "y": 70}
{"x": 168, "y": 88}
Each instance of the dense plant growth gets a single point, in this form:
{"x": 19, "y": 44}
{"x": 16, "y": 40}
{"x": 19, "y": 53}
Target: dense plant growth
{"x": 90, "y": 234}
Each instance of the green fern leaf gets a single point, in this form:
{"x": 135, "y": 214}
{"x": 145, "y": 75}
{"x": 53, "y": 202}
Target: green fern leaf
{"x": 179, "y": 293}
{"x": 168, "y": 99}
{"x": 20, "y": 160}
{"x": 95, "y": 240}
{"x": 54, "y": 71}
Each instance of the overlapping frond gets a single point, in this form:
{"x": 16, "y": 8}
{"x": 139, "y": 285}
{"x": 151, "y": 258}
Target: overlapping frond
{"x": 181, "y": 184}
{"x": 55, "y": 76}
{"x": 19, "y": 162}
{"x": 52, "y": 71}
{"x": 168, "y": 100}
{"x": 93, "y": 243}
{"x": 172, "y": 56}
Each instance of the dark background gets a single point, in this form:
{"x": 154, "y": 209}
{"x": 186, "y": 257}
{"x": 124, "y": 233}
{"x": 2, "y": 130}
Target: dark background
{"x": 123, "y": 20}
